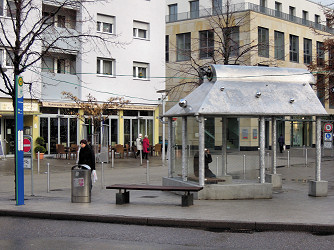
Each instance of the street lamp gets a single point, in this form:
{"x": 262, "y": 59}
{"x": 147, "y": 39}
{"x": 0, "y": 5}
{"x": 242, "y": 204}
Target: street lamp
{"x": 163, "y": 96}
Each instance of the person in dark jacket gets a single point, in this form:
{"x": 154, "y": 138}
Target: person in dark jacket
{"x": 86, "y": 155}
{"x": 207, "y": 159}
{"x": 281, "y": 143}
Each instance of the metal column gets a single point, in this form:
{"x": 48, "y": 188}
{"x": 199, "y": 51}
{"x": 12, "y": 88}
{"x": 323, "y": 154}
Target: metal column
{"x": 273, "y": 145}
{"x": 318, "y": 150}
{"x": 184, "y": 149}
{"x": 201, "y": 150}
{"x": 170, "y": 147}
{"x": 224, "y": 146}
{"x": 262, "y": 150}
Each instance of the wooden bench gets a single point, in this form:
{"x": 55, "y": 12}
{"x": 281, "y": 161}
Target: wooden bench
{"x": 123, "y": 196}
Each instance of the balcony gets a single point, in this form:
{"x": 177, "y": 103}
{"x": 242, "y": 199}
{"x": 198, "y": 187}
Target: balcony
{"x": 240, "y": 7}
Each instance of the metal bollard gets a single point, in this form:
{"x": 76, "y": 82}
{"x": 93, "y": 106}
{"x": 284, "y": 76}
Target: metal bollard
{"x": 217, "y": 166}
{"x": 38, "y": 162}
{"x": 306, "y": 157}
{"x": 32, "y": 178}
{"x": 141, "y": 157}
{"x": 244, "y": 167}
{"x": 48, "y": 178}
{"x": 288, "y": 159}
{"x": 102, "y": 176}
{"x": 112, "y": 158}
{"x": 268, "y": 160}
{"x": 147, "y": 172}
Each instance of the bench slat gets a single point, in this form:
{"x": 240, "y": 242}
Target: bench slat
{"x": 153, "y": 187}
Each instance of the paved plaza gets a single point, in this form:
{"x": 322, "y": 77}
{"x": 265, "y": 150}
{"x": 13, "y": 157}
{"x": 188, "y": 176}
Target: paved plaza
{"x": 289, "y": 209}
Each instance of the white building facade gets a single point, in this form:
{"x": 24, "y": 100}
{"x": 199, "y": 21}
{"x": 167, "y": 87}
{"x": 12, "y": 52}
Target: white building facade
{"x": 132, "y": 66}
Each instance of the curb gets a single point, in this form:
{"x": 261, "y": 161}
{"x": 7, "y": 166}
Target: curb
{"x": 216, "y": 226}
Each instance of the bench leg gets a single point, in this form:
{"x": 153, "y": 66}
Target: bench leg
{"x": 187, "y": 200}
{"x": 123, "y": 198}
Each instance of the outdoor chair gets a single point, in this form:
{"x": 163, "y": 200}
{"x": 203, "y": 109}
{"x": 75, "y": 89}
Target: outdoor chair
{"x": 60, "y": 148}
{"x": 157, "y": 149}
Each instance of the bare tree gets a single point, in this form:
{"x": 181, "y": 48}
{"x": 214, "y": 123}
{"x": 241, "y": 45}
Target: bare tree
{"x": 95, "y": 110}
{"x": 30, "y": 30}
{"x": 324, "y": 69}
{"x": 219, "y": 44}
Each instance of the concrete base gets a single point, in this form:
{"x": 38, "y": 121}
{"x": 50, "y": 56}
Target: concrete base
{"x": 275, "y": 180}
{"x": 318, "y": 188}
{"x": 226, "y": 191}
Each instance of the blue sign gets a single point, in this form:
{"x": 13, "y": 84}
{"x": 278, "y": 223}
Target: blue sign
{"x": 328, "y": 136}
{"x": 19, "y": 171}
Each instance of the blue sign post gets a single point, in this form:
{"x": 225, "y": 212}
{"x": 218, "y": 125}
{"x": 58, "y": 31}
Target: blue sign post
{"x": 19, "y": 171}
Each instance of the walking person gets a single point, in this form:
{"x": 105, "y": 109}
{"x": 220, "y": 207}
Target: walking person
{"x": 87, "y": 156}
{"x": 281, "y": 143}
{"x": 146, "y": 145}
{"x": 139, "y": 144}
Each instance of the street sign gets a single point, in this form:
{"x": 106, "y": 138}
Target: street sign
{"x": 328, "y": 137}
{"x": 26, "y": 145}
{"x": 328, "y": 144}
{"x": 328, "y": 127}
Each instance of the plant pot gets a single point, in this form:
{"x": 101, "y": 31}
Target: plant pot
{"x": 41, "y": 156}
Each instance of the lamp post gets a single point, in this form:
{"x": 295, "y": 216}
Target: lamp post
{"x": 163, "y": 97}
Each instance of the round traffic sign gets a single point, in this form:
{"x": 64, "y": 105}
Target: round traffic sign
{"x": 26, "y": 145}
{"x": 328, "y": 127}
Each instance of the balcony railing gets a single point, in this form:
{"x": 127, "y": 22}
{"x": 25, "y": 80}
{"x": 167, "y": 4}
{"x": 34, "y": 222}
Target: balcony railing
{"x": 233, "y": 8}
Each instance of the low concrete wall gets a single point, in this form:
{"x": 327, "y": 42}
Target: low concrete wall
{"x": 226, "y": 191}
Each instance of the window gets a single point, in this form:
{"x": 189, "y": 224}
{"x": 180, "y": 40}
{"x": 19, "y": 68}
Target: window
{"x": 172, "y": 12}
{"x": 47, "y": 16}
{"x": 140, "y": 29}
{"x": 59, "y": 63}
{"x": 206, "y": 44}
{"x": 11, "y": 9}
{"x": 1, "y": 57}
{"x": 105, "y": 23}
{"x": 61, "y": 66}
{"x": 61, "y": 21}
{"x": 307, "y": 51}
{"x": 320, "y": 54}
{"x": 305, "y": 17}
{"x": 263, "y": 5}
{"x": 321, "y": 88}
{"x": 183, "y": 47}
{"x": 140, "y": 70}
{"x": 294, "y": 48}
{"x": 9, "y": 58}
{"x": 104, "y": 66}
{"x": 234, "y": 41}
{"x": 263, "y": 42}
{"x": 279, "y": 45}
{"x": 278, "y": 9}
{"x": 216, "y": 7}
{"x": 1, "y": 7}
{"x": 331, "y": 92}
{"x": 292, "y": 13}
{"x": 167, "y": 49}
{"x": 47, "y": 64}
{"x": 194, "y": 9}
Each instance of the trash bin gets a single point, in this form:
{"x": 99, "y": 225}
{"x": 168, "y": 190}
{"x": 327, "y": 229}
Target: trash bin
{"x": 81, "y": 183}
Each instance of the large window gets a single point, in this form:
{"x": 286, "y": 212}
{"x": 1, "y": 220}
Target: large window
{"x": 183, "y": 47}
{"x": 234, "y": 41}
{"x": 307, "y": 51}
{"x": 263, "y": 40}
{"x": 61, "y": 20}
{"x": 140, "y": 30}
{"x": 263, "y": 5}
{"x": 216, "y": 7}
{"x": 321, "y": 88}
{"x": 278, "y": 9}
{"x": 105, "y": 23}
{"x": 60, "y": 63}
{"x": 172, "y": 12}
{"x": 140, "y": 70}
{"x": 104, "y": 66}
{"x": 279, "y": 45}
{"x": 194, "y": 9}
{"x": 9, "y": 58}
{"x": 167, "y": 48}
{"x": 320, "y": 54}
{"x": 305, "y": 17}
{"x": 294, "y": 48}
{"x": 292, "y": 13}
{"x": 206, "y": 44}
{"x": 11, "y": 9}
